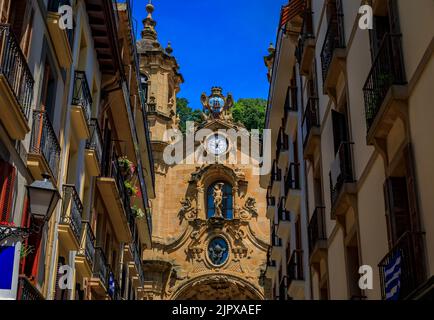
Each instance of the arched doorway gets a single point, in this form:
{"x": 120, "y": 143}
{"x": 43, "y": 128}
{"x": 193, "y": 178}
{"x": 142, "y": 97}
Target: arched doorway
{"x": 217, "y": 287}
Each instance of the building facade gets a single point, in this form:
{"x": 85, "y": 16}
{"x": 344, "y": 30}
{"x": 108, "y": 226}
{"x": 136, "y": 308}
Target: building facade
{"x": 210, "y": 233}
{"x": 73, "y": 111}
{"x": 361, "y": 123}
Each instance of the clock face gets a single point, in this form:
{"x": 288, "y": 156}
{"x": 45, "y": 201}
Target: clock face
{"x": 217, "y": 144}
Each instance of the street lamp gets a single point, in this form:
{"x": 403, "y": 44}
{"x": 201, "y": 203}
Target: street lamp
{"x": 43, "y": 197}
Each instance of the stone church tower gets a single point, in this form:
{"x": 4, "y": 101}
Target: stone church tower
{"x": 210, "y": 232}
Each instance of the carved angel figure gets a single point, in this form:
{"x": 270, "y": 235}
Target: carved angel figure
{"x": 218, "y": 200}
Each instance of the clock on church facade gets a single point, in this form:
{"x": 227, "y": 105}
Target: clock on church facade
{"x": 210, "y": 233}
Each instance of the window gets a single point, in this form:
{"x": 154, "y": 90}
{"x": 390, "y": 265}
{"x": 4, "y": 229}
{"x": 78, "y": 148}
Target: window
{"x": 219, "y": 200}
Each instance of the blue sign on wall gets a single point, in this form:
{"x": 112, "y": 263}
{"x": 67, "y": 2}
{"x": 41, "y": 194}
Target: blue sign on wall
{"x": 7, "y": 258}
{"x": 9, "y": 269}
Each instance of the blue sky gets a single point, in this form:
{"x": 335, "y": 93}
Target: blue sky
{"x": 217, "y": 42}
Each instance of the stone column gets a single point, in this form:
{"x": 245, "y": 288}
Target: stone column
{"x": 201, "y": 214}
{"x": 235, "y": 202}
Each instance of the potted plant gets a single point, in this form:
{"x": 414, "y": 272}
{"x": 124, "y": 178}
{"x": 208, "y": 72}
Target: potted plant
{"x": 126, "y": 166}
{"x": 130, "y": 188}
{"x": 138, "y": 212}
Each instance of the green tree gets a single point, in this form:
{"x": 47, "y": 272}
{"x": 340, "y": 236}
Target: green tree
{"x": 250, "y": 112}
{"x": 186, "y": 113}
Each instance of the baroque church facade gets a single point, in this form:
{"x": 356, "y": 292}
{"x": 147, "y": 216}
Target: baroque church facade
{"x": 210, "y": 232}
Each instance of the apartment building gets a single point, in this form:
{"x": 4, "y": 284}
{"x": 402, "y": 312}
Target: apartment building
{"x": 288, "y": 260}
{"x": 364, "y": 99}
{"x": 73, "y": 113}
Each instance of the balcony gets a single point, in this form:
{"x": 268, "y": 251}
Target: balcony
{"x": 295, "y": 276}
{"x": 117, "y": 201}
{"x": 276, "y": 180}
{"x": 311, "y": 132}
{"x": 342, "y": 185}
{"x": 307, "y": 53}
{"x": 317, "y": 236}
{"x": 61, "y": 37}
{"x": 114, "y": 290}
{"x": 81, "y": 106}
{"x": 85, "y": 257}
{"x": 144, "y": 227}
{"x": 44, "y": 153}
{"x": 333, "y": 55}
{"x": 93, "y": 152}
{"x": 385, "y": 90}
{"x": 283, "y": 293}
{"x": 70, "y": 225}
{"x": 99, "y": 281}
{"x": 27, "y": 291}
{"x": 133, "y": 256}
{"x": 284, "y": 221}
{"x": 16, "y": 85}
{"x": 406, "y": 262}
{"x": 276, "y": 245}
{"x": 271, "y": 205}
{"x": 292, "y": 188}
{"x": 282, "y": 149}
{"x": 140, "y": 278}
{"x": 271, "y": 266}
{"x": 290, "y": 119}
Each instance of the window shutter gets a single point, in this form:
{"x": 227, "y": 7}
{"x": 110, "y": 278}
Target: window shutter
{"x": 18, "y": 17}
{"x": 397, "y": 212}
{"x": 339, "y": 129}
{"x": 411, "y": 189}
{"x": 7, "y": 182}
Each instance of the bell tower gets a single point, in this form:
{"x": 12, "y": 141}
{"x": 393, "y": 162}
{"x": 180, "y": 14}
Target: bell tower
{"x": 159, "y": 70}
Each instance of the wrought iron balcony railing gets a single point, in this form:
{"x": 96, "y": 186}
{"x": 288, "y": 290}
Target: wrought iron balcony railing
{"x": 13, "y": 66}
{"x": 283, "y": 214}
{"x": 334, "y": 39}
{"x": 283, "y": 292}
{"x": 44, "y": 141}
{"x": 387, "y": 70}
{"x": 282, "y": 142}
{"x": 100, "y": 267}
{"x": 310, "y": 118}
{"x": 72, "y": 210}
{"x": 341, "y": 171}
{"x": 137, "y": 260}
{"x": 27, "y": 291}
{"x": 295, "y": 267}
{"x": 276, "y": 173}
{"x": 271, "y": 201}
{"x": 291, "y": 101}
{"x": 275, "y": 239}
{"x": 316, "y": 228}
{"x": 87, "y": 247}
{"x": 405, "y": 264}
{"x": 307, "y": 33}
{"x": 82, "y": 96}
{"x": 112, "y": 170}
{"x": 292, "y": 181}
{"x": 114, "y": 288}
{"x": 95, "y": 141}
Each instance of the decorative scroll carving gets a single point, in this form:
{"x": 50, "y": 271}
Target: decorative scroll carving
{"x": 187, "y": 210}
{"x": 249, "y": 210}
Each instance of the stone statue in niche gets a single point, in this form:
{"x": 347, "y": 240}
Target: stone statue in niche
{"x": 218, "y": 200}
